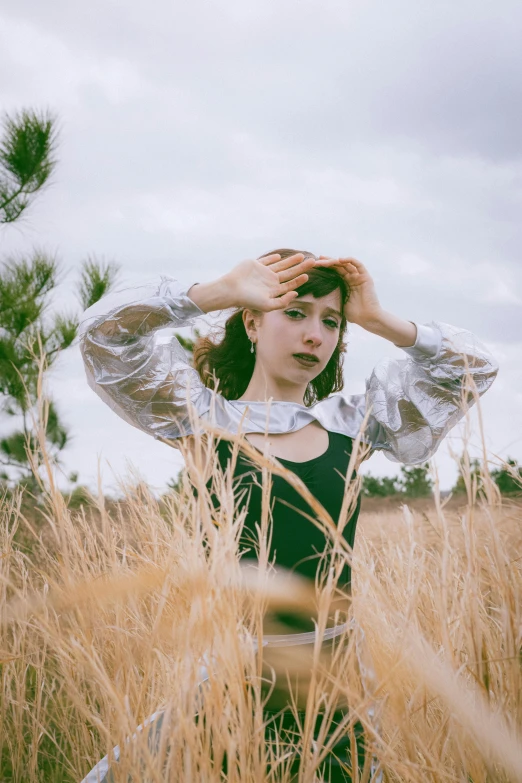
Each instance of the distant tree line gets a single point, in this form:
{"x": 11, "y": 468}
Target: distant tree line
{"x": 414, "y": 481}
{"x": 508, "y": 478}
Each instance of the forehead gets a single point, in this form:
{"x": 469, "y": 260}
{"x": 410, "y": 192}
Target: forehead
{"x": 331, "y": 300}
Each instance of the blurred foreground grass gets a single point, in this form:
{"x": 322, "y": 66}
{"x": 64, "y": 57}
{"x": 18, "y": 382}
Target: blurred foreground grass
{"x": 108, "y": 610}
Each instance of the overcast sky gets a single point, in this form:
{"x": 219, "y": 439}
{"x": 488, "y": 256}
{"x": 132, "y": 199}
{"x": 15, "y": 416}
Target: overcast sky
{"x": 194, "y": 135}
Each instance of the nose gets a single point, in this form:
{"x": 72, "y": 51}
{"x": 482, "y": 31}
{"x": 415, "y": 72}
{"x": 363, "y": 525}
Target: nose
{"x": 312, "y": 333}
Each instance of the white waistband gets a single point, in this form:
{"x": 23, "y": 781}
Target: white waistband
{"x": 289, "y": 639}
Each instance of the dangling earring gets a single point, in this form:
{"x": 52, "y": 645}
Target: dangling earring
{"x": 251, "y": 346}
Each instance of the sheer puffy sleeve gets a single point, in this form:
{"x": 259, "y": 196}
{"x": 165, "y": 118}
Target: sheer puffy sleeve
{"x": 141, "y": 371}
{"x": 416, "y": 401}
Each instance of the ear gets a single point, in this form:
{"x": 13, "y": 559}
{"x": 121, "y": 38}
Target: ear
{"x": 251, "y": 319}
{"x": 246, "y": 315}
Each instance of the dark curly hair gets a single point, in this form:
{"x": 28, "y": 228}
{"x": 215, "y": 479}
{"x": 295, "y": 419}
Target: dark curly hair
{"x": 231, "y": 362}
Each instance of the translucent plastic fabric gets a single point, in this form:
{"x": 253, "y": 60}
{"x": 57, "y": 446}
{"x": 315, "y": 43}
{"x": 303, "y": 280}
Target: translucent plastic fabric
{"x": 140, "y": 369}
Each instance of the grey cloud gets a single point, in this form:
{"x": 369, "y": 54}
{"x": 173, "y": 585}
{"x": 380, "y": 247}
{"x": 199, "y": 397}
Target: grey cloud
{"x": 443, "y": 77}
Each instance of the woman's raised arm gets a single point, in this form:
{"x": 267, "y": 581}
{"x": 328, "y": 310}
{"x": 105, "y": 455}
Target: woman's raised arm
{"x": 417, "y": 400}
{"x": 140, "y": 373}
{"x": 145, "y": 378}
{"x": 414, "y": 402}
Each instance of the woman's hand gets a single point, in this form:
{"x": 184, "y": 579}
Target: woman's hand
{"x": 268, "y": 283}
{"x": 363, "y": 306}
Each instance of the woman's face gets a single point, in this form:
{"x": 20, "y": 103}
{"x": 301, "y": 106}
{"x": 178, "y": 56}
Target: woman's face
{"x": 307, "y": 325}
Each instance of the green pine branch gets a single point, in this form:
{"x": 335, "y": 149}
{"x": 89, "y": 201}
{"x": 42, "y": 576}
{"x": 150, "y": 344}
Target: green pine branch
{"x": 26, "y": 160}
{"x": 97, "y": 277}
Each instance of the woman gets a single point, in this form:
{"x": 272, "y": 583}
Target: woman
{"x": 279, "y": 368}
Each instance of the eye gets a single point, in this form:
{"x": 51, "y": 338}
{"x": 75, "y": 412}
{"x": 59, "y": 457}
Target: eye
{"x": 331, "y": 323}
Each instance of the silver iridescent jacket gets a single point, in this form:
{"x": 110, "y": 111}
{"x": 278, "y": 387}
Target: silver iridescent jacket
{"x": 147, "y": 379}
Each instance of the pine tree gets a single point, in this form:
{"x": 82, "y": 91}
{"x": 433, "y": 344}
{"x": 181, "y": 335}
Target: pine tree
{"x": 475, "y": 474}
{"x": 508, "y": 478}
{"x": 26, "y": 160}
{"x": 415, "y": 482}
{"x": 375, "y": 487}
{"x": 28, "y": 332}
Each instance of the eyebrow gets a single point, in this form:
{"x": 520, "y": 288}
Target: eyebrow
{"x": 310, "y": 304}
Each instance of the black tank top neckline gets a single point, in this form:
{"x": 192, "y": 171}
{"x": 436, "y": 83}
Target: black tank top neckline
{"x": 303, "y": 463}
{"x": 296, "y": 542}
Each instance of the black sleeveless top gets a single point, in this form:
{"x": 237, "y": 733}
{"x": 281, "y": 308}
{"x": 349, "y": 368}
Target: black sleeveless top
{"x": 295, "y": 541}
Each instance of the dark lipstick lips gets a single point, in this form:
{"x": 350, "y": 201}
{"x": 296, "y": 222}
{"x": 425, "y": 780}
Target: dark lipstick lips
{"x": 307, "y": 356}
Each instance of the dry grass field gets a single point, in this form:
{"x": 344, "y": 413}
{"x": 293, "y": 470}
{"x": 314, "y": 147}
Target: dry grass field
{"x": 109, "y": 613}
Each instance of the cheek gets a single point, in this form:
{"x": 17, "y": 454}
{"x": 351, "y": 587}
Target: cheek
{"x": 280, "y": 339}
{"x": 277, "y": 328}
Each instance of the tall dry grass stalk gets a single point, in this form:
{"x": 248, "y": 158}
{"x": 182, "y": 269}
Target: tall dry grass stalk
{"x": 113, "y": 616}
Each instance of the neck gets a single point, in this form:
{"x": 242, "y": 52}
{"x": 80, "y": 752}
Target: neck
{"x": 262, "y": 387}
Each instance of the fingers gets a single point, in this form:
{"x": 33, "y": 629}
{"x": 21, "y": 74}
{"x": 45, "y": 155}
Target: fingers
{"x": 291, "y": 285}
{"x": 347, "y": 264}
{"x": 286, "y": 292}
{"x": 286, "y": 263}
{"x": 288, "y": 269}
{"x": 327, "y": 261}
{"x": 340, "y": 260}
{"x": 271, "y": 259}
{"x": 353, "y": 261}
{"x": 293, "y": 271}
{"x": 285, "y": 300}
{"x": 280, "y": 302}
{"x": 278, "y": 264}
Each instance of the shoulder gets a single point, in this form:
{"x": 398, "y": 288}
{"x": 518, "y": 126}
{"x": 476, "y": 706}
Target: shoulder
{"x": 341, "y": 413}
{"x": 341, "y": 401}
